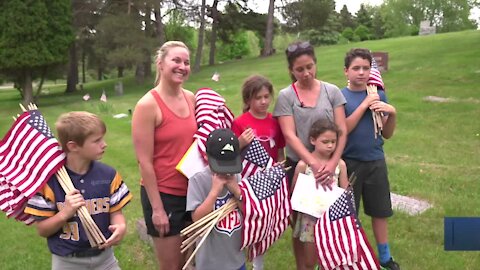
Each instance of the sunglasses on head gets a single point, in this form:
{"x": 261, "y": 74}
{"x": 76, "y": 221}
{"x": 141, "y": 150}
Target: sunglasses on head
{"x": 297, "y": 46}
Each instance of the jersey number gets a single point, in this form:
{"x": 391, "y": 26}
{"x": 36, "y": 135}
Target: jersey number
{"x": 70, "y": 231}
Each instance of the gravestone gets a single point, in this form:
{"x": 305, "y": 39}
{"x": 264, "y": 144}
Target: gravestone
{"x": 426, "y": 29}
{"x": 119, "y": 89}
{"x": 382, "y": 60}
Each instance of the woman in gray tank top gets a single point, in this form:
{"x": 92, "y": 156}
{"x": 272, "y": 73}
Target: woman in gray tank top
{"x": 298, "y": 106}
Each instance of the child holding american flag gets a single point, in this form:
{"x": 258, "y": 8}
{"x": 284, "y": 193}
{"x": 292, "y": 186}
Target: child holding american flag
{"x": 209, "y": 190}
{"x": 363, "y": 152}
{"x": 323, "y": 136}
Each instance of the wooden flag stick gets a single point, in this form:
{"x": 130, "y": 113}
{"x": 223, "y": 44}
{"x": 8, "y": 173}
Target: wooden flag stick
{"x": 201, "y": 231}
{"x": 21, "y": 107}
{"x": 201, "y": 241}
{"x": 87, "y": 220}
{"x": 206, "y": 218}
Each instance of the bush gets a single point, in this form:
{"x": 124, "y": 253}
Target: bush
{"x": 317, "y": 37}
{"x": 236, "y": 49}
{"x": 348, "y": 33}
{"x": 362, "y": 32}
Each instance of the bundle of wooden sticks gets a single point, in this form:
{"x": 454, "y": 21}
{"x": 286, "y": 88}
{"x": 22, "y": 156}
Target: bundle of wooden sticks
{"x": 376, "y": 116}
{"x": 94, "y": 234}
{"x": 200, "y": 229}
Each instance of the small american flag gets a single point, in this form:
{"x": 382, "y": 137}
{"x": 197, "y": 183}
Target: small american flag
{"x": 211, "y": 113}
{"x": 29, "y": 156}
{"x": 375, "y": 76}
{"x": 103, "y": 97}
{"x": 340, "y": 239}
{"x": 267, "y": 208}
{"x": 255, "y": 158}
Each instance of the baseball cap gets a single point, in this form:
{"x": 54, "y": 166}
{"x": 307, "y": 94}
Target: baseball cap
{"x": 223, "y": 152}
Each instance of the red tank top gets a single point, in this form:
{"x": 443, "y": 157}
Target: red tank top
{"x": 172, "y": 139}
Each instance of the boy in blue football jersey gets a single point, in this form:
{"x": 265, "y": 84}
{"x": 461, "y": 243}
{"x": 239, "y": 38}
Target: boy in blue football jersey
{"x": 98, "y": 187}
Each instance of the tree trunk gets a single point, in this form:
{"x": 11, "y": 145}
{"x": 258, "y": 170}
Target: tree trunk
{"x": 160, "y": 27}
{"x": 268, "y": 49}
{"x": 27, "y": 87}
{"x": 213, "y": 39}
{"x": 120, "y": 72}
{"x": 201, "y": 32}
{"x": 83, "y": 66}
{"x": 140, "y": 73}
{"x": 72, "y": 77}
{"x": 99, "y": 73}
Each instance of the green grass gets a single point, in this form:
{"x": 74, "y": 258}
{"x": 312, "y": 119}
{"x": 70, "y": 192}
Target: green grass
{"x": 433, "y": 155}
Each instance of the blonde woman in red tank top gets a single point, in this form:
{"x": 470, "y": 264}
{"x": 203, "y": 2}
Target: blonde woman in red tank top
{"x": 163, "y": 125}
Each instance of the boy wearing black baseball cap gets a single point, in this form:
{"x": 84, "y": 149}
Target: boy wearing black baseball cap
{"x": 209, "y": 190}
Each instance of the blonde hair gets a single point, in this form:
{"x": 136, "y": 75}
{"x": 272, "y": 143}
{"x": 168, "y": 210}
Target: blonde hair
{"x": 163, "y": 51}
{"x": 77, "y": 126}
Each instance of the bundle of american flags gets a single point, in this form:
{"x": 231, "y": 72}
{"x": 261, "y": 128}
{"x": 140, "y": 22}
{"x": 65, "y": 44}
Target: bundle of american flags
{"x": 374, "y": 83}
{"x": 375, "y": 76}
{"x": 29, "y": 156}
{"x": 211, "y": 113}
{"x": 340, "y": 239}
{"x": 267, "y": 205}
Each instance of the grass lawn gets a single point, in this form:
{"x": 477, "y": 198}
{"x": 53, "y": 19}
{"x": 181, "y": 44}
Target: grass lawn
{"x": 433, "y": 155}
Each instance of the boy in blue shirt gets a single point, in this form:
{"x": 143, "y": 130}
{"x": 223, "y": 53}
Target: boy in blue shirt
{"x": 98, "y": 187}
{"x": 363, "y": 152}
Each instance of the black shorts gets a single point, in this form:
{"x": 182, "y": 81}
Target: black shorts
{"x": 174, "y": 206}
{"x": 372, "y": 185}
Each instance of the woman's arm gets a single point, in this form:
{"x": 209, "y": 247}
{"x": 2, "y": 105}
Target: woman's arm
{"x": 144, "y": 120}
{"x": 287, "y": 125}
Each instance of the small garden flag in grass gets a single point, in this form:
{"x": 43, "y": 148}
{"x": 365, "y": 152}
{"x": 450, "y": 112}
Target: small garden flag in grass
{"x": 103, "y": 97}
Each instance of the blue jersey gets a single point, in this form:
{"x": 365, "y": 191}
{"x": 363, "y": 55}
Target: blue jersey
{"x": 361, "y": 143}
{"x": 104, "y": 192}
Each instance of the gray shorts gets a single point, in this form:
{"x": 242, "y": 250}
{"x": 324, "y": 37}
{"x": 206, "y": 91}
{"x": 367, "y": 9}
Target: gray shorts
{"x": 105, "y": 261}
{"x": 372, "y": 185}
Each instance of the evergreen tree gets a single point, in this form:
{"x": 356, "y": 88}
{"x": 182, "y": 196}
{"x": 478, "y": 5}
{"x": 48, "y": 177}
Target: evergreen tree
{"x": 346, "y": 18}
{"x": 34, "y": 37}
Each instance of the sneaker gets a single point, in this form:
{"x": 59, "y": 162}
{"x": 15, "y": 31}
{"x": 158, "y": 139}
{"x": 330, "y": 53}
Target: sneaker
{"x": 390, "y": 265}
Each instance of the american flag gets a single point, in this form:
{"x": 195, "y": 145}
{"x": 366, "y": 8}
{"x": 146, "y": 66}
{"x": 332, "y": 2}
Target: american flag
{"x": 267, "y": 208}
{"x": 29, "y": 156}
{"x": 103, "y": 97}
{"x": 340, "y": 239}
{"x": 211, "y": 113}
{"x": 375, "y": 76}
{"x": 255, "y": 158}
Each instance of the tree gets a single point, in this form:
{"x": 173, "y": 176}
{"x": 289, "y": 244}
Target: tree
{"x": 34, "y": 37}
{"x": 307, "y": 14}
{"x": 364, "y": 17}
{"x": 268, "y": 48}
{"x": 201, "y": 32}
{"x": 346, "y": 18}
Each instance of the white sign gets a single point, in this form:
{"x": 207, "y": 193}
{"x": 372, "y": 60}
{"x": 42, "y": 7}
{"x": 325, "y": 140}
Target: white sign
{"x": 192, "y": 162}
{"x": 309, "y": 199}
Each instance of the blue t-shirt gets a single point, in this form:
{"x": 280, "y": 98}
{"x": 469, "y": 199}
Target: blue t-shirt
{"x": 361, "y": 142}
